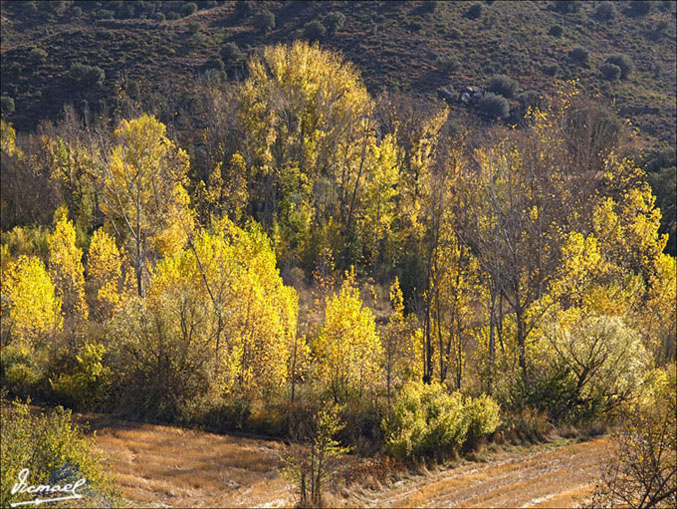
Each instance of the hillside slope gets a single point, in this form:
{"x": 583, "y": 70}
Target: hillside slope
{"x": 402, "y": 46}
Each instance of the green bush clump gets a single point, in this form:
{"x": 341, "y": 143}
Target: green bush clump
{"x": 216, "y": 63}
{"x": 474, "y": 11}
{"x": 105, "y": 14}
{"x": 232, "y": 55}
{"x": 54, "y": 451}
{"x": 639, "y": 8}
{"x": 566, "y": 6}
{"x": 483, "y": 417}
{"x": 579, "y": 55}
{"x": 334, "y": 21}
{"x": 429, "y": 6}
{"x": 19, "y": 373}
{"x": 551, "y": 70}
{"x": 502, "y": 85}
{"x": 495, "y": 106}
{"x": 6, "y": 105}
{"x": 189, "y": 8}
{"x": 194, "y": 27}
{"x": 86, "y": 75}
{"x": 448, "y": 64}
{"x": 84, "y": 387}
{"x": 314, "y": 31}
{"x": 556, "y": 31}
{"x": 605, "y": 11}
{"x": 37, "y": 55}
{"x": 610, "y": 72}
{"x": 623, "y": 62}
{"x": 428, "y": 421}
{"x": 265, "y": 21}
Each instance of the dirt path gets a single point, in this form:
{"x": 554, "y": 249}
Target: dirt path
{"x": 560, "y": 477}
{"x": 165, "y": 466}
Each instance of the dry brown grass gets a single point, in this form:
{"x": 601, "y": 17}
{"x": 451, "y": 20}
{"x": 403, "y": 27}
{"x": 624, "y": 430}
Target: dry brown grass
{"x": 169, "y": 466}
{"x": 560, "y": 477}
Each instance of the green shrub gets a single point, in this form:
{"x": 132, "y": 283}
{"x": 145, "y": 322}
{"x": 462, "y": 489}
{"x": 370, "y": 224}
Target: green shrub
{"x": 172, "y": 16}
{"x": 132, "y": 89}
{"x": 502, "y": 85}
{"x": 610, "y": 72}
{"x": 84, "y": 387}
{"x": 216, "y": 63}
{"x": 265, "y": 21}
{"x": 556, "y": 31}
{"x": 551, "y": 70}
{"x": 30, "y": 8}
{"x": 495, "y": 106}
{"x": 448, "y": 64}
{"x": 334, "y": 21}
{"x": 428, "y": 421}
{"x": 188, "y": 9}
{"x": 37, "y": 55}
{"x": 429, "y": 6}
{"x": 639, "y": 8}
{"x": 605, "y": 11}
{"x": 474, "y": 11}
{"x": 454, "y": 33}
{"x": 566, "y": 6}
{"x": 159, "y": 17}
{"x": 245, "y": 8}
{"x": 314, "y": 31}
{"x": 579, "y": 55}
{"x": 623, "y": 62}
{"x": 232, "y": 55}
{"x": 6, "y": 105}
{"x": 54, "y": 451}
{"x": 194, "y": 27}
{"x": 483, "y": 417}
{"x": 86, "y": 75}
{"x": 530, "y": 99}
{"x": 19, "y": 373}
{"x": 105, "y": 14}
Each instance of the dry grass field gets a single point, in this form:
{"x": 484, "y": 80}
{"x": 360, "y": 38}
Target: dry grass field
{"x": 165, "y": 466}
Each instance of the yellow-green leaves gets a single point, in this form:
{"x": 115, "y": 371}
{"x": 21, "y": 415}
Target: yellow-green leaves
{"x": 31, "y": 311}
{"x": 104, "y": 269}
{"x": 143, "y": 194}
{"x": 348, "y": 348}
{"x": 229, "y": 279}
{"x": 65, "y": 266}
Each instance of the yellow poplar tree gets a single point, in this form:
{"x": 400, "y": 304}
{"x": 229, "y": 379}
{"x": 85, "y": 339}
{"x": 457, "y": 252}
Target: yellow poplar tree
{"x": 348, "y": 349}
{"x": 247, "y": 314}
{"x": 402, "y": 345}
{"x": 104, "y": 269}
{"x": 143, "y": 179}
{"x": 65, "y": 266}
{"x": 30, "y": 310}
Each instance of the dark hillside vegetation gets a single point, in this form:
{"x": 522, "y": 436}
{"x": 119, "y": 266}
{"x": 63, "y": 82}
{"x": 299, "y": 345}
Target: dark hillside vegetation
{"x": 395, "y": 45}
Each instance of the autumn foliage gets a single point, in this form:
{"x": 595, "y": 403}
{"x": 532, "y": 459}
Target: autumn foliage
{"x": 320, "y": 244}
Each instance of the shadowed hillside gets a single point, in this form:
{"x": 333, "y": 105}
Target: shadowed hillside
{"x": 415, "y": 47}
